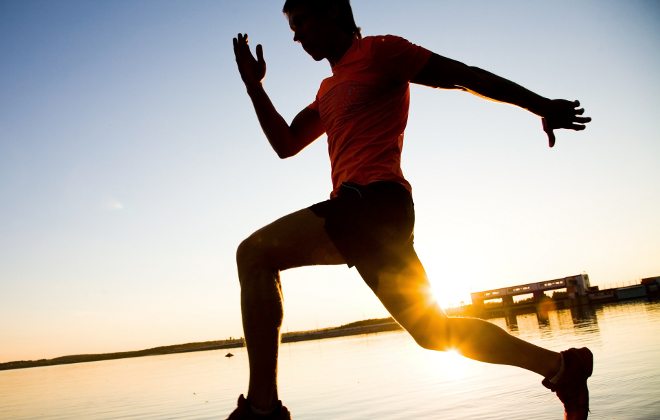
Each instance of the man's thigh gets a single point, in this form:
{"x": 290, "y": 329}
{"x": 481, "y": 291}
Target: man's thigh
{"x": 404, "y": 290}
{"x": 296, "y": 240}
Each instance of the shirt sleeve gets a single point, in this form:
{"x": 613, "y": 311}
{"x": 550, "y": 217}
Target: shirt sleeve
{"x": 399, "y": 57}
{"x": 314, "y": 105}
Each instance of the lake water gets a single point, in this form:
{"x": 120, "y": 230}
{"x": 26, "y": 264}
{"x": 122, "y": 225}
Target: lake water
{"x": 377, "y": 376}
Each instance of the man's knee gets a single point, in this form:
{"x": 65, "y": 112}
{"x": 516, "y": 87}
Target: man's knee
{"x": 431, "y": 341}
{"x": 251, "y": 255}
{"x": 434, "y": 335}
{"x": 245, "y": 250}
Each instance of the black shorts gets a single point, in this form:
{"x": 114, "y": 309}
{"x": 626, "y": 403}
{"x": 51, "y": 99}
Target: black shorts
{"x": 371, "y": 225}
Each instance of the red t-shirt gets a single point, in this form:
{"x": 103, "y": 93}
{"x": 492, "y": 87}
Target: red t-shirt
{"x": 364, "y": 109}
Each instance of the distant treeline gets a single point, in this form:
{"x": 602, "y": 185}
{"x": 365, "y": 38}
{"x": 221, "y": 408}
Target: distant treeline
{"x": 359, "y": 327}
{"x": 81, "y": 358}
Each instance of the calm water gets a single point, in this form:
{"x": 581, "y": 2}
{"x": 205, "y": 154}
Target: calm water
{"x": 378, "y": 376}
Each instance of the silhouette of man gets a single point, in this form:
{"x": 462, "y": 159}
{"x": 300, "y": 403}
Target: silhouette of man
{"x": 368, "y": 220}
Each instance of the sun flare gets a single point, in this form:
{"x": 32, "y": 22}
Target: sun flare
{"x": 445, "y": 296}
{"x": 448, "y": 364}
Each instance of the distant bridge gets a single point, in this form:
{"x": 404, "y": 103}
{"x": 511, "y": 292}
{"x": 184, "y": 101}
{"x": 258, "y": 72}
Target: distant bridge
{"x": 576, "y": 287}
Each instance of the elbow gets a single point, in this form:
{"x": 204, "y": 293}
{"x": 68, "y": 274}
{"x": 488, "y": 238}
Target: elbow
{"x": 468, "y": 80}
{"x": 286, "y": 147}
{"x": 282, "y": 148}
{"x": 284, "y": 153}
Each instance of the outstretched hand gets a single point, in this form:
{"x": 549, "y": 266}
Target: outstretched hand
{"x": 563, "y": 114}
{"x": 252, "y": 70}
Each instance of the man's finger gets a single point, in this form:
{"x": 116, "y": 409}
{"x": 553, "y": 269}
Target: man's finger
{"x": 260, "y": 53}
{"x": 548, "y": 132}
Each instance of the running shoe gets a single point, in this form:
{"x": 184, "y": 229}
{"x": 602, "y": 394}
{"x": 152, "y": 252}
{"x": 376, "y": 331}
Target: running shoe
{"x": 571, "y": 386}
{"x": 244, "y": 412}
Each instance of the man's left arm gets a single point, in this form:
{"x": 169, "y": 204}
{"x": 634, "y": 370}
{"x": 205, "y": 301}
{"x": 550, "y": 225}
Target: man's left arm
{"x": 445, "y": 73}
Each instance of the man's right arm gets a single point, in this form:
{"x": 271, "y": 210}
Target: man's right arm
{"x": 287, "y": 140}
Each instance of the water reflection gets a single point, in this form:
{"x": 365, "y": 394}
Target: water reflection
{"x": 578, "y": 321}
{"x": 384, "y": 376}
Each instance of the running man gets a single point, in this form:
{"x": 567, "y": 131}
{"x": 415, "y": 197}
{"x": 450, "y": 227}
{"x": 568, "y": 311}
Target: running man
{"x": 368, "y": 220}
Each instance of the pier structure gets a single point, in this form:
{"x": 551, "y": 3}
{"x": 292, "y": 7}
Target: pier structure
{"x": 577, "y": 288}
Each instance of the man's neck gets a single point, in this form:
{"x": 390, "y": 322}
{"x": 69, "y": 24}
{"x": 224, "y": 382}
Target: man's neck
{"x": 339, "y": 49}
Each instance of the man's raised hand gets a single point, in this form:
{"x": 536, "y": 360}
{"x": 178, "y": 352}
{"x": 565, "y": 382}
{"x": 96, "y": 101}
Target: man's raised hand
{"x": 561, "y": 113}
{"x": 252, "y": 70}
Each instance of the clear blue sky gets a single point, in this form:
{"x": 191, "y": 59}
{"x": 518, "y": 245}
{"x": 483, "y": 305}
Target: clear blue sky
{"x": 131, "y": 162}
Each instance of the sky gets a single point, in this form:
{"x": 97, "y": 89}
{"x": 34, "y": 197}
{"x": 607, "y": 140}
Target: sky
{"x": 132, "y": 164}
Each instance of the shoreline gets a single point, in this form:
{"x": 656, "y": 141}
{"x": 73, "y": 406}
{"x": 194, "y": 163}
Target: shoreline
{"x": 354, "y": 328}
{"x": 369, "y": 326}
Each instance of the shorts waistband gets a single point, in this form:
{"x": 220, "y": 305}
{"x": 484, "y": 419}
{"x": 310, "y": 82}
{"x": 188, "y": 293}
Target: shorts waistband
{"x": 373, "y": 187}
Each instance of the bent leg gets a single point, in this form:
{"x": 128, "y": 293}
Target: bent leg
{"x": 405, "y": 293}
{"x": 296, "y": 240}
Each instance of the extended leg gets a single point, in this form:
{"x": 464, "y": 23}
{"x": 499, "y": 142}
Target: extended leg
{"x": 405, "y": 292}
{"x": 296, "y": 240}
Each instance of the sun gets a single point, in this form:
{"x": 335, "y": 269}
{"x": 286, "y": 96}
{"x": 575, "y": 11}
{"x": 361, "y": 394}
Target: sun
{"x": 445, "y": 294}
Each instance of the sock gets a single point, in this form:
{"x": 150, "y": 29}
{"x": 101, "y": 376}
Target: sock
{"x": 260, "y": 412}
{"x": 559, "y": 373}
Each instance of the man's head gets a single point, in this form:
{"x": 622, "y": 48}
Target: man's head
{"x": 339, "y": 10}
{"x": 318, "y": 24}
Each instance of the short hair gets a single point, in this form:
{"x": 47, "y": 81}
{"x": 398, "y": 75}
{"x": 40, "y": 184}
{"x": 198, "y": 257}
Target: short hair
{"x": 346, "y": 20}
